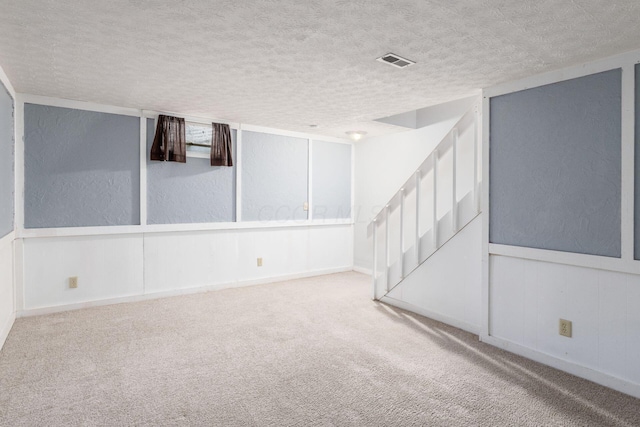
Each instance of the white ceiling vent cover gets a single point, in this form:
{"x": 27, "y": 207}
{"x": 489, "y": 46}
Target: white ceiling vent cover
{"x": 395, "y": 60}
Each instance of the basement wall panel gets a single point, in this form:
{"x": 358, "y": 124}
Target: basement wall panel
{"x": 7, "y": 148}
{"x": 636, "y": 217}
{"x": 528, "y": 297}
{"x": 192, "y": 192}
{"x": 274, "y": 177}
{"x": 555, "y": 156}
{"x": 331, "y": 180}
{"x": 7, "y": 292}
{"x": 82, "y": 168}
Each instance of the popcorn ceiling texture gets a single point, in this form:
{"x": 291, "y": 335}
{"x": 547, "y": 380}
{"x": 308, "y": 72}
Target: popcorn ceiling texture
{"x": 288, "y": 64}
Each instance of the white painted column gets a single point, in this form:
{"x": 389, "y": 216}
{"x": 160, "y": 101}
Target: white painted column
{"x": 238, "y": 164}
{"x": 19, "y": 164}
{"x": 476, "y": 139}
{"x": 402, "y": 242}
{"x": 310, "y": 181}
{"x": 485, "y": 313}
{"x": 454, "y": 178}
{"x": 375, "y": 258}
{"x": 418, "y": 179}
{"x": 627, "y": 166}
{"x": 434, "y": 228}
{"x": 18, "y": 243}
{"x": 143, "y": 170}
{"x": 386, "y": 245}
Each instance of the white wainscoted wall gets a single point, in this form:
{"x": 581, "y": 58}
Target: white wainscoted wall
{"x": 527, "y": 288}
{"x": 7, "y": 218}
{"x": 127, "y": 267}
{"x": 7, "y": 296}
{"x": 528, "y": 297}
{"x": 137, "y": 260}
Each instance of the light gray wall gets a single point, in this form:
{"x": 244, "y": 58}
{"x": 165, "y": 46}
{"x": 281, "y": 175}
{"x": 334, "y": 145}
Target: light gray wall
{"x": 192, "y": 192}
{"x": 6, "y": 163}
{"x": 82, "y": 168}
{"x": 331, "y": 180}
{"x": 636, "y": 227}
{"x": 555, "y": 166}
{"x": 274, "y": 177}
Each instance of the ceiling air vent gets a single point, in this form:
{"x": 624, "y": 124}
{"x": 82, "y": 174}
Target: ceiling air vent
{"x": 395, "y": 60}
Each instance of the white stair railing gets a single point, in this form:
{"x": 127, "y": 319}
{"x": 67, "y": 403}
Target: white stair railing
{"x": 428, "y": 206}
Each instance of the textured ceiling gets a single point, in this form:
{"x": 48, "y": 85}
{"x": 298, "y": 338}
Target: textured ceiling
{"x": 291, "y": 63}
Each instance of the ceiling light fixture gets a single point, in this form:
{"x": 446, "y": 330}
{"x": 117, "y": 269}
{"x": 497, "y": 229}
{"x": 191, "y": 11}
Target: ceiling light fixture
{"x": 356, "y": 135}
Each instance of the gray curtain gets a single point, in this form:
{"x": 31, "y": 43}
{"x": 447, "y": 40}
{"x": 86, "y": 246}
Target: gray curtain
{"x": 221, "y": 145}
{"x": 170, "y": 142}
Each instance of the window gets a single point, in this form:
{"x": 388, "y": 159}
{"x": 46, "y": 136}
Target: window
{"x": 198, "y": 139}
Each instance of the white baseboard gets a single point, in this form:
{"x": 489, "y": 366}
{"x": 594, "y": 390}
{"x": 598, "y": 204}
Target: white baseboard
{"x": 432, "y": 315}
{"x": 143, "y": 297}
{"x": 6, "y": 328}
{"x": 598, "y": 377}
{"x": 362, "y": 270}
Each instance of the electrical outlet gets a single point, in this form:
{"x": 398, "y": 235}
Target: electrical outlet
{"x": 259, "y": 262}
{"x": 73, "y": 282}
{"x": 565, "y": 328}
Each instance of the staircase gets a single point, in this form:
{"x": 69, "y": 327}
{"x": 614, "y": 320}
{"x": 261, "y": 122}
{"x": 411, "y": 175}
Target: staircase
{"x": 433, "y": 205}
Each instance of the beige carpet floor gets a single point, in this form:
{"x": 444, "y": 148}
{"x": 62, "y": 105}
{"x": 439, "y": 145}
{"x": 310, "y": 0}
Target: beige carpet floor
{"x": 306, "y": 352}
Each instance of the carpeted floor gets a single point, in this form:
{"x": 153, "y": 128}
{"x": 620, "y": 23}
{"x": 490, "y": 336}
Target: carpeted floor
{"x": 307, "y": 352}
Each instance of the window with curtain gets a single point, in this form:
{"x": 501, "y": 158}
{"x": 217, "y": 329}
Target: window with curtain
{"x": 169, "y": 143}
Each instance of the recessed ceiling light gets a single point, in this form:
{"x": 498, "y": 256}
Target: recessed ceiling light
{"x": 356, "y": 135}
{"x": 395, "y": 60}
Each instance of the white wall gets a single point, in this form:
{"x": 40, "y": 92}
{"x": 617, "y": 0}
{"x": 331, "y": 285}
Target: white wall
{"x": 126, "y": 267}
{"x": 7, "y": 285}
{"x": 228, "y": 258}
{"x": 125, "y": 263}
{"x": 383, "y": 164}
{"x": 528, "y": 297}
{"x": 447, "y": 286}
{"x": 106, "y": 266}
{"x": 7, "y": 309}
{"x": 527, "y": 290}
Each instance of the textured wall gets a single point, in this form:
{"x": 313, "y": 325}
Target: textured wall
{"x": 636, "y": 228}
{"x": 6, "y": 162}
{"x": 189, "y": 192}
{"x": 331, "y": 180}
{"x": 274, "y": 177}
{"x": 555, "y": 166}
{"x": 82, "y": 168}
